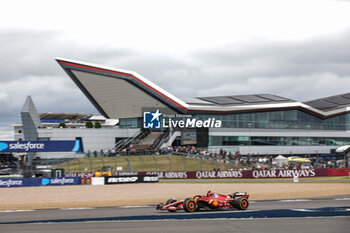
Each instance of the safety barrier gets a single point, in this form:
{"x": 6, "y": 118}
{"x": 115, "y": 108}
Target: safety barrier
{"x": 222, "y": 174}
{"x": 125, "y": 179}
{"x": 135, "y": 177}
{"x": 338, "y": 172}
{"x": 28, "y": 182}
{"x": 240, "y": 174}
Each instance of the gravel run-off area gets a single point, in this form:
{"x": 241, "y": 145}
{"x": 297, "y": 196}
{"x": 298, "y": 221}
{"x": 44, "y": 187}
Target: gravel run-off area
{"x": 150, "y": 194}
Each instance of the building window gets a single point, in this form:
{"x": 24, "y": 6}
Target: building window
{"x": 128, "y": 123}
{"x": 276, "y": 141}
{"x": 285, "y": 119}
{"x": 43, "y": 139}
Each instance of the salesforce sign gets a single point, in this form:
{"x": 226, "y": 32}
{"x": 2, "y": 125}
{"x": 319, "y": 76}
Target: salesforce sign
{"x": 28, "y": 182}
{"x": 39, "y": 146}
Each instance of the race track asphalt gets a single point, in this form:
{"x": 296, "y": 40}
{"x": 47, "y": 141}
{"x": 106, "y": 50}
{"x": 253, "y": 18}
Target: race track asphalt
{"x": 330, "y": 214}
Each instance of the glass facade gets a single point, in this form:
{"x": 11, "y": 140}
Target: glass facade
{"x": 284, "y": 119}
{"x": 276, "y": 141}
{"x": 127, "y": 123}
{"x": 278, "y": 119}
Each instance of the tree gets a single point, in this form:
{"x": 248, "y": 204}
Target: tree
{"x": 62, "y": 125}
{"x": 89, "y": 124}
{"x": 97, "y": 125}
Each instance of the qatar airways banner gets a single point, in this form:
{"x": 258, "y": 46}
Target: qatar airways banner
{"x": 39, "y": 146}
{"x": 233, "y": 174}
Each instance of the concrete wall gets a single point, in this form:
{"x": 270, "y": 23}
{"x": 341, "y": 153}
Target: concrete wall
{"x": 276, "y": 133}
{"x": 284, "y": 150}
{"x": 93, "y": 139}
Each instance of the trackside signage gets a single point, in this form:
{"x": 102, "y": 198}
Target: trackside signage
{"x": 27, "y": 182}
{"x": 234, "y": 174}
{"x": 127, "y": 179}
{"x": 157, "y": 120}
{"x": 60, "y": 181}
{"x": 39, "y": 146}
{"x": 7, "y": 183}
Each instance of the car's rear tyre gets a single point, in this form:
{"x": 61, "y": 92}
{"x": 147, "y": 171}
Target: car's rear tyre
{"x": 190, "y": 205}
{"x": 242, "y": 203}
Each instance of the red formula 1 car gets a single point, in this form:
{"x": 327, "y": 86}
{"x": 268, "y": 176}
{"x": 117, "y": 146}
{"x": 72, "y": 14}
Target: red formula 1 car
{"x": 212, "y": 201}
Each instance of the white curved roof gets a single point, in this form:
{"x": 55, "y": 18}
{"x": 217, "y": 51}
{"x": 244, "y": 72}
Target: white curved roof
{"x": 118, "y": 93}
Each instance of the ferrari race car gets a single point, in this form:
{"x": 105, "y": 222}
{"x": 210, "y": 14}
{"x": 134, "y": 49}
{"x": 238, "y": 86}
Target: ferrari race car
{"x": 212, "y": 201}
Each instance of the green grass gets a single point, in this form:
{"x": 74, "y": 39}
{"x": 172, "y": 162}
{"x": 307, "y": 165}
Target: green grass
{"x": 142, "y": 163}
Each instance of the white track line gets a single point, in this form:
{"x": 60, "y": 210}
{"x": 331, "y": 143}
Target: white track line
{"x": 77, "y": 208}
{"x": 14, "y": 211}
{"x": 342, "y": 199}
{"x": 134, "y": 206}
{"x": 303, "y": 210}
{"x": 294, "y": 200}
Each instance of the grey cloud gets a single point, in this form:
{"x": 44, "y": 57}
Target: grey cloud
{"x": 28, "y": 68}
{"x": 300, "y": 88}
{"x": 272, "y": 65}
{"x": 32, "y": 53}
{"x": 277, "y": 58}
{"x": 256, "y": 67}
{"x": 296, "y": 70}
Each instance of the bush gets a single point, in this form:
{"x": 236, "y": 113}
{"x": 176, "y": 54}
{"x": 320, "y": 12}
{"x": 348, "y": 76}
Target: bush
{"x": 62, "y": 125}
{"x": 89, "y": 124}
{"x": 97, "y": 125}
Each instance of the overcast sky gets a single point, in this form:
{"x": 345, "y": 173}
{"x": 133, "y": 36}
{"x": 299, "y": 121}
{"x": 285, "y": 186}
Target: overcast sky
{"x": 295, "y": 49}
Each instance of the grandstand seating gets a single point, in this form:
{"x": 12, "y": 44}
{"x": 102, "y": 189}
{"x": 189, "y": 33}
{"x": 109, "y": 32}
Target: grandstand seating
{"x": 148, "y": 141}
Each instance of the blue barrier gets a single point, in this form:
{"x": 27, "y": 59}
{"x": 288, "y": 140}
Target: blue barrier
{"x": 29, "y": 182}
{"x": 40, "y": 146}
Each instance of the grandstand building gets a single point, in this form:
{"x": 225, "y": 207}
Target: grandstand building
{"x": 250, "y": 124}
{"x": 70, "y": 126}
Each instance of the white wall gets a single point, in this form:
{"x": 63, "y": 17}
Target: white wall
{"x": 276, "y": 133}
{"x": 93, "y": 139}
{"x": 284, "y": 150}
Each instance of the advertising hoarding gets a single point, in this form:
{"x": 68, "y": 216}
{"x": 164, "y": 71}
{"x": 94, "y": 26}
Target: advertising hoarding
{"x": 39, "y": 146}
{"x": 28, "y": 182}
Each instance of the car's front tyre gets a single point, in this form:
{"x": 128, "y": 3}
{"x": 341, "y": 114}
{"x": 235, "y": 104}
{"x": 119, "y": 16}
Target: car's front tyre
{"x": 190, "y": 205}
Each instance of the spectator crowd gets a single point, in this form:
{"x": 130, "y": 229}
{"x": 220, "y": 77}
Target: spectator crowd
{"x": 239, "y": 161}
